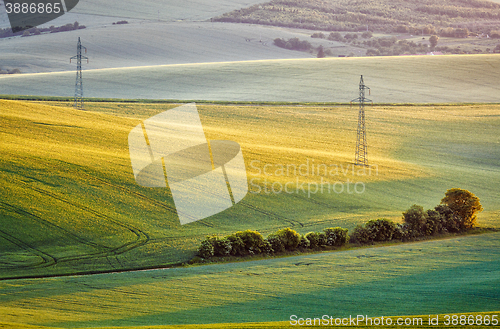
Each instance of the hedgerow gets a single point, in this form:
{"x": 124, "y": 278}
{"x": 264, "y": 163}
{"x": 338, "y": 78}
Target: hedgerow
{"x": 455, "y": 214}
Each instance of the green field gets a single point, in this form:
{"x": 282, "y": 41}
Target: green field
{"x": 70, "y": 202}
{"x": 70, "y": 205}
{"x": 450, "y": 276}
{"x": 400, "y": 79}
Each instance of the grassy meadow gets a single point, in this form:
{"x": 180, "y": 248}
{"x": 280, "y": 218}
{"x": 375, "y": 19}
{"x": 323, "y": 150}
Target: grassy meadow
{"x": 70, "y": 205}
{"x": 399, "y": 79}
{"x": 67, "y": 174}
{"x": 426, "y": 278}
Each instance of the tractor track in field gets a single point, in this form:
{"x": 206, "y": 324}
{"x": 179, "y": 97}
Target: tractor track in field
{"x": 170, "y": 209}
{"x": 73, "y": 236}
{"x": 174, "y": 211}
{"x": 270, "y": 214}
{"x": 49, "y": 260}
{"x": 52, "y": 260}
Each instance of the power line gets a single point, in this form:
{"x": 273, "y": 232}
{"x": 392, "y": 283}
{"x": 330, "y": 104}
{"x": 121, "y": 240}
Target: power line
{"x": 78, "y": 104}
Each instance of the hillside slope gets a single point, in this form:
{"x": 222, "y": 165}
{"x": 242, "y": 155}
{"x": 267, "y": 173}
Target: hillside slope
{"x": 70, "y": 202}
{"x": 401, "y": 79}
{"x": 448, "y": 277}
{"x": 143, "y": 43}
{"x": 398, "y": 16}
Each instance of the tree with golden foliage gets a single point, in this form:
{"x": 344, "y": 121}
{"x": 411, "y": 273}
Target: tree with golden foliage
{"x": 465, "y": 205}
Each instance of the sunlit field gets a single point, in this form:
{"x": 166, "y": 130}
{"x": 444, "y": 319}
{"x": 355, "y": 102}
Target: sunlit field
{"x": 70, "y": 202}
{"x": 399, "y": 79}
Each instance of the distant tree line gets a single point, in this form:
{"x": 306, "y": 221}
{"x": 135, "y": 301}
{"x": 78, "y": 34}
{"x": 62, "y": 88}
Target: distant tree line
{"x": 391, "y": 46}
{"x": 293, "y": 44}
{"x": 13, "y": 71}
{"x": 302, "y": 45}
{"x": 456, "y": 214}
{"x": 7, "y": 32}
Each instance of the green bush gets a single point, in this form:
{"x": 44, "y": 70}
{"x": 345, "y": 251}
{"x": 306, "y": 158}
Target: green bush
{"x": 449, "y": 220}
{"x": 276, "y": 243}
{"x": 316, "y": 239}
{"x": 318, "y": 35}
{"x": 416, "y": 218}
{"x": 313, "y": 239}
{"x": 373, "y": 52}
{"x": 280, "y": 42}
{"x": 382, "y": 229}
{"x": 335, "y": 36}
{"x": 237, "y": 245}
{"x": 206, "y": 249}
{"x": 222, "y": 246}
{"x": 321, "y": 239}
{"x": 304, "y": 242}
{"x": 336, "y": 236}
{"x": 289, "y": 238}
{"x": 267, "y": 248}
{"x": 293, "y": 44}
{"x": 403, "y": 233}
{"x": 321, "y": 52}
{"x": 361, "y": 235}
{"x": 350, "y": 36}
{"x": 465, "y": 205}
{"x": 366, "y": 35}
{"x": 434, "y": 224}
{"x": 253, "y": 241}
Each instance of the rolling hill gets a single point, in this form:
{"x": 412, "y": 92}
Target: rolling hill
{"x": 70, "y": 203}
{"x": 143, "y": 43}
{"x": 398, "y": 16}
{"x": 438, "y": 277}
{"x": 400, "y": 79}
{"x": 83, "y": 245}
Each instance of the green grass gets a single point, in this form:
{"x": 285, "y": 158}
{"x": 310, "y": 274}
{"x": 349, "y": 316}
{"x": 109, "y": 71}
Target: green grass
{"x": 415, "y": 320}
{"x": 400, "y": 79}
{"x": 70, "y": 203}
{"x": 436, "y": 277}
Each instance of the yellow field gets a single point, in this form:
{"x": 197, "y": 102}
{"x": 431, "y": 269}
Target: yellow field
{"x": 67, "y": 175}
{"x": 70, "y": 205}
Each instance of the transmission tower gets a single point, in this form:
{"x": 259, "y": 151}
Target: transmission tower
{"x": 361, "y": 146}
{"x": 79, "y": 84}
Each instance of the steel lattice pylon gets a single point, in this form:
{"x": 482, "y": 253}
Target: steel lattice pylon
{"x": 361, "y": 145}
{"x": 79, "y": 83}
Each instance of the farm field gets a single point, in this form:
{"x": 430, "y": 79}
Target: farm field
{"x": 82, "y": 245}
{"x": 457, "y": 275}
{"x": 417, "y": 79}
{"x": 66, "y": 175}
{"x": 146, "y": 43}
{"x": 193, "y": 10}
